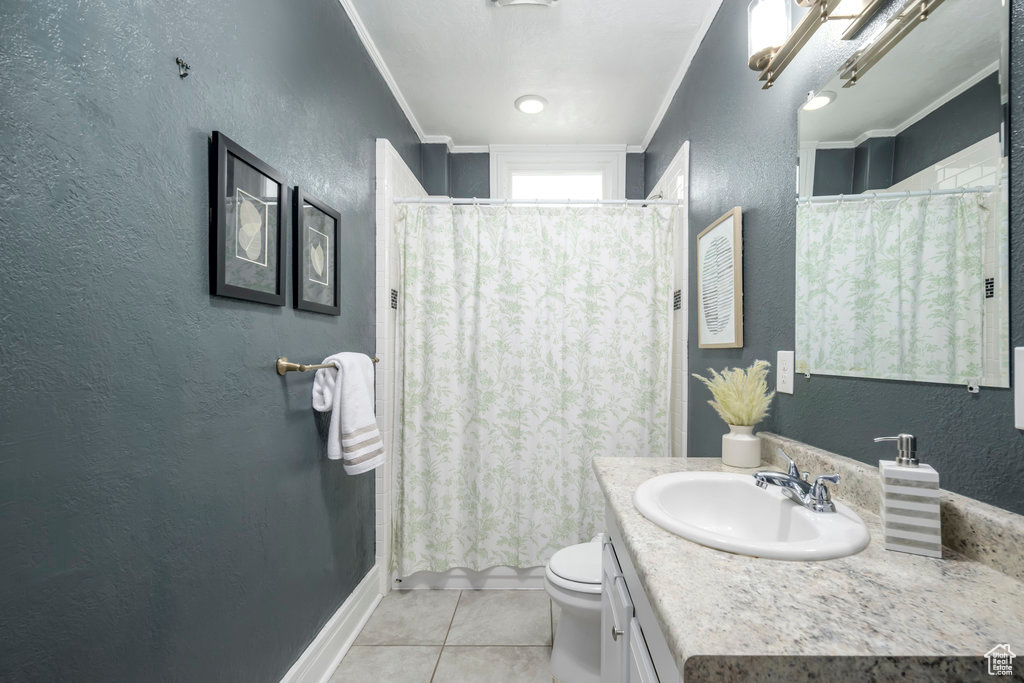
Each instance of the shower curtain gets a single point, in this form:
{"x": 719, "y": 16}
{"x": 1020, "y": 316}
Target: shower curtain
{"x": 893, "y": 288}
{"x": 531, "y": 339}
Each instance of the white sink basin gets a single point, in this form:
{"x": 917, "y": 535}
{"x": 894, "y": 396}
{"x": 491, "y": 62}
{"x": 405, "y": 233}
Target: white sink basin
{"x": 729, "y": 512}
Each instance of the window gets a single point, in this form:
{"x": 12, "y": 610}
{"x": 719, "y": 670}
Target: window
{"x": 527, "y": 185}
{"x": 558, "y": 172}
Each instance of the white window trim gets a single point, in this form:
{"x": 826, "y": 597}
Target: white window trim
{"x": 609, "y": 160}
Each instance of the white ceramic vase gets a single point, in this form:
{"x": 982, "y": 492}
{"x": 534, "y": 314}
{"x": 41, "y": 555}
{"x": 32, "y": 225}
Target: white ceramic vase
{"x": 740, "y": 448}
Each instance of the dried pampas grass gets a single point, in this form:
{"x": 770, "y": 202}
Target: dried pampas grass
{"x": 741, "y": 395}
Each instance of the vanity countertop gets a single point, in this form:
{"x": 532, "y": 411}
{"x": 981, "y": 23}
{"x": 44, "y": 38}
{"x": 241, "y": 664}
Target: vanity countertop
{"x": 718, "y": 609}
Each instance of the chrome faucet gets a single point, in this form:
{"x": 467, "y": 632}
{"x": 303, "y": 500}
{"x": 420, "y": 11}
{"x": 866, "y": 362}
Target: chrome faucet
{"x": 814, "y": 496}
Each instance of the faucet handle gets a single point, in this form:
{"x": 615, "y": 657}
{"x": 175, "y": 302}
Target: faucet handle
{"x": 834, "y": 478}
{"x": 821, "y": 499}
{"x": 793, "y": 470}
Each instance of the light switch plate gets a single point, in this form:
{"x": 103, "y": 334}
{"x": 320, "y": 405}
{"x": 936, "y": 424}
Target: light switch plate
{"x": 784, "y": 372}
{"x": 1018, "y": 387}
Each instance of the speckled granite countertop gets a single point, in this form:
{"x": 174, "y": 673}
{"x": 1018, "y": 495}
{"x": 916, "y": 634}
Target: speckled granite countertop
{"x": 881, "y": 604}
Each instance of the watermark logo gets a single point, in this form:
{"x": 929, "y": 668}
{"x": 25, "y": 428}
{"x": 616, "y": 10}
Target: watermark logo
{"x": 1000, "y": 660}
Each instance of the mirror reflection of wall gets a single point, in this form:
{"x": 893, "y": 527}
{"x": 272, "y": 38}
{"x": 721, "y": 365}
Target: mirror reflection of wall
{"x": 902, "y": 235}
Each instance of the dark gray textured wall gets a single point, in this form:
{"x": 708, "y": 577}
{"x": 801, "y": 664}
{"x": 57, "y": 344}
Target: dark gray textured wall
{"x": 635, "y": 188}
{"x": 167, "y": 512}
{"x": 833, "y": 171}
{"x": 434, "y": 168}
{"x": 967, "y": 118}
{"x": 469, "y": 175}
{"x": 872, "y": 164}
{"x": 743, "y": 146}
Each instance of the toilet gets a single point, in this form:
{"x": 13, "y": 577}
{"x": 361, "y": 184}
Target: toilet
{"x": 573, "y": 580}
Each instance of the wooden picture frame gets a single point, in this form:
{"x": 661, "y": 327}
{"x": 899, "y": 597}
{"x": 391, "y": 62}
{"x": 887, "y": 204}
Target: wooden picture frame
{"x": 720, "y": 283}
{"x": 248, "y": 211}
{"x": 315, "y": 255}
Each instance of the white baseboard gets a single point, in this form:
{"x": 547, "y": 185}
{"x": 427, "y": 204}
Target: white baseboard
{"x": 496, "y": 578}
{"x": 324, "y": 654}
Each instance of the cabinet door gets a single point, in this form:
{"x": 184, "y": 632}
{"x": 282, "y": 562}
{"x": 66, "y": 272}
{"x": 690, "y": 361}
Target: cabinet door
{"x": 616, "y": 612}
{"x": 641, "y": 667}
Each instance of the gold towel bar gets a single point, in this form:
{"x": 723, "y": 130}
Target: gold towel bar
{"x": 284, "y": 365}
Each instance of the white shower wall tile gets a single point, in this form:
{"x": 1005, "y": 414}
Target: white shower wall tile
{"x": 394, "y": 179}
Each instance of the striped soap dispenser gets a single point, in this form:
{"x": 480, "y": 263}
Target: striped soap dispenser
{"x": 910, "y": 501}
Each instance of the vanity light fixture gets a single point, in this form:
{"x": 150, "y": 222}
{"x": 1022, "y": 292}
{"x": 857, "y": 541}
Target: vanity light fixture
{"x": 779, "y": 58}
{"x": 769, "y": 56}
{"x": 531, "y": 104}
{"x": 912, "y": 14}
{"x": 822, "y": 99}
{"x": 767, "y": 28}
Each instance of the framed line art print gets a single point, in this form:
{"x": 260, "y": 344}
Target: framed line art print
{"x": 720, "y": 283}
{"x": 248, "y": 210}
{"x": 315, "y": 255}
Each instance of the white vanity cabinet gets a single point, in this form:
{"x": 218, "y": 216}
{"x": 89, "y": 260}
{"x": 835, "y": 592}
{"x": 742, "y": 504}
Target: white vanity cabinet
{"x": 616, "y": 618}
{"x": 633, "y": 649}
{"x": 641, "y": 668}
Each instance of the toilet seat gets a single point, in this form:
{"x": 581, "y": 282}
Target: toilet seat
{"x": 577, "y": 568}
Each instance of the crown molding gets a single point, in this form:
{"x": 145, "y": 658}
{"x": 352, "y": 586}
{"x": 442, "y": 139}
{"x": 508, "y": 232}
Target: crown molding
{"x": 437, "y": 140}
{"x": 382, "y": 67}
{"x": 556, "y": 148}
{"x": 680, "y": 74}
{"x": 470, "y": 149}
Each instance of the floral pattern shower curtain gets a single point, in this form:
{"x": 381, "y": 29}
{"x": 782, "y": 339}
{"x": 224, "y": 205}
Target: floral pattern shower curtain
{"x": 893, "y": 288}
{"x": 531, "y": 339}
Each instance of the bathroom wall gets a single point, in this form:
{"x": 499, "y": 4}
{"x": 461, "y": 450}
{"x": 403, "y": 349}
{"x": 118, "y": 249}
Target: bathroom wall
{"x": 743, "y": 147}
{"x": 167, "y": 512}
{"x": 434, "y": 169}
{"x": 635, "y": 188}
{"x": 469, "y": 175}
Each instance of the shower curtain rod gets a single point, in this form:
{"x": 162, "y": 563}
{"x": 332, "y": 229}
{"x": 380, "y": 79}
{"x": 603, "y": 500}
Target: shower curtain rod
{"x": 513, "y": 202}
{"x": 893, "y": 195}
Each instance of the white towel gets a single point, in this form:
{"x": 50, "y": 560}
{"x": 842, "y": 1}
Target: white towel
{"x": 347, "y": 392}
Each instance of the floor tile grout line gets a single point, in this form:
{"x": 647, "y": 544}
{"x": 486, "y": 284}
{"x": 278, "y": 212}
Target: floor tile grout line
{"x": 445, "y": 641}
{"x": 467, "y": 647}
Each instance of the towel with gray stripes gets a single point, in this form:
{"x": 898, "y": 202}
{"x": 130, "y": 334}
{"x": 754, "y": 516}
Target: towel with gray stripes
{"x": 346, "y": 390}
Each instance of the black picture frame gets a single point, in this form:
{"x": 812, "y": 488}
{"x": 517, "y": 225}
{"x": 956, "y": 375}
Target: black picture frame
{"x": 248, "y": 214}
{"x": 315, "y": 241}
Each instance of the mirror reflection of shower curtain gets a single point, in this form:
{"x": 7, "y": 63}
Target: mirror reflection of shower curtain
{"x": 531, "y": 339}
{"x": 893, "y": 288}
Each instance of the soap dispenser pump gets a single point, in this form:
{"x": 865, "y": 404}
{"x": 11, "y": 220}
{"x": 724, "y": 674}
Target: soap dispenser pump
{"x": 910, "y": 501}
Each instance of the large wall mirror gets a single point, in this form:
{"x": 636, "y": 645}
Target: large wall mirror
{"x": 902, "y": 231}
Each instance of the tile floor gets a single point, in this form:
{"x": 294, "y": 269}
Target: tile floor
{"x": 450, "y": 636}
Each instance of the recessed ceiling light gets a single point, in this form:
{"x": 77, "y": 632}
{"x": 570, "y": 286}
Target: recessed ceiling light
{"x": 822, "y": 99}
{"x": 531, "y": 104}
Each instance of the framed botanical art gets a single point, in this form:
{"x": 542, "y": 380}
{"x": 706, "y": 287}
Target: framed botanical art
{"x": 315, "y": 250}
{"x": 720, "y": 283}
{"x": 248, "y": 201}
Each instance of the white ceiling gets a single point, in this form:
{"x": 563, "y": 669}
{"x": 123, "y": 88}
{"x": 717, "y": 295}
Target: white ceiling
{"x": 959, "y": 42}
{"x": 608, "y": 68}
